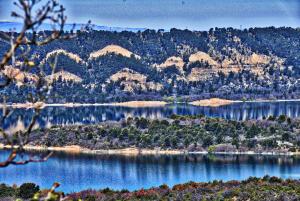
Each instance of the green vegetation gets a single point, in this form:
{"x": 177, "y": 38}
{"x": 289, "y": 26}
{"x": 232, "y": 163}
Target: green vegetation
{"x": 7, "y": 191}
{"x": 254, "y": 189}
{"x": 28, "y": 190}
{"x": 190, "y": 133}
{"x": 266, "y": 188}
{"x": 272, "y": 78}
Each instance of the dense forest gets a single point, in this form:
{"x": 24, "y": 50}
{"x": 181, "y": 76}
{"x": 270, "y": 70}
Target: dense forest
{"x": 186, "y": 133}
{"x": 99, "y": 66}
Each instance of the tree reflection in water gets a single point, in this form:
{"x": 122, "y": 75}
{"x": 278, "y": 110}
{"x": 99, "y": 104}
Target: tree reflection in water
{"x": 91, "y": 115}
{"x": 135, "y": 172}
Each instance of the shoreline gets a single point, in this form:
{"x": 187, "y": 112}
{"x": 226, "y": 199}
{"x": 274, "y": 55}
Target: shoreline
{"x": 141, "y": 104}
{"x": 74, "y": 149}
{"x": 132, "y": 104}
{"x": 213, "y": 102}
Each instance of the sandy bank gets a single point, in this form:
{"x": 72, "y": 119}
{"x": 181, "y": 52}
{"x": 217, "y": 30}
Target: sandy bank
{"x": 25, "y": 105}
{"x": 271, "y": 101}
{"x": 126, "y": 151}
{"x": 213, "y": 102}
{"x": 140, "y": 104}
{"x": 123, "y": 104}
{"x": 135, "y": 151}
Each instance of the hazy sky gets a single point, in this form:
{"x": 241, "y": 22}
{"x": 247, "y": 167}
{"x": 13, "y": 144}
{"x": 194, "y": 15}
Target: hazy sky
{"x": 192, "y": 14}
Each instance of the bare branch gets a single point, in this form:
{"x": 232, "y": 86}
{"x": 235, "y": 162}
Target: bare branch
{"x": 14, "y": 68}
{"x": 11, "y": 160}
{"x": 51, "y": 11}
{"x": 34, "y": 13}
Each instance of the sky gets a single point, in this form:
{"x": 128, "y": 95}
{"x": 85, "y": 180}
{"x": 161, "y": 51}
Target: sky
{"x": 182, "y": 14}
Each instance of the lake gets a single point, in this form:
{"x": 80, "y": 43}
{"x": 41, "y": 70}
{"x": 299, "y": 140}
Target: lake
{"x": 77, "y": 172}
{"x": 80, "y": 171}
{"x": 95, "y": 114}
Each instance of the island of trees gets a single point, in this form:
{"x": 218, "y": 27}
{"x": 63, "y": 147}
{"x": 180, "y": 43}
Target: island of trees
{"x": 183, "y": 133}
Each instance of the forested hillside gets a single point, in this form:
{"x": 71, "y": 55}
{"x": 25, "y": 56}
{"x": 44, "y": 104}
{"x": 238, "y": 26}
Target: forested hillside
{"x": 99, "y": 66}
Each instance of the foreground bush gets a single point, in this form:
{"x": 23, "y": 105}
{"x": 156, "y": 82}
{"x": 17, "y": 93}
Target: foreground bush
{"x": 6, "y": 191}
{"x": 28, "y": 190}
{"x": 254, "y": 189}
{"x": 266, "y": 188}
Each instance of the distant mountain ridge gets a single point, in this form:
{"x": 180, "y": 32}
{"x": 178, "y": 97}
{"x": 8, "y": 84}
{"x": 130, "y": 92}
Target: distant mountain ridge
{"x": 99, "y": 66}
{"x": 7, "y": 26}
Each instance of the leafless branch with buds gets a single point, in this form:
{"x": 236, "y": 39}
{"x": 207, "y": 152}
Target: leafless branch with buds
{"x": 33, "y": 13}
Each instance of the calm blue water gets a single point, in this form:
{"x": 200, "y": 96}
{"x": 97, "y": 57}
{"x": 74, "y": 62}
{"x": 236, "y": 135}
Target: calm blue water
{"x": 92, "y": 115}
{"x": 79, "y": 172}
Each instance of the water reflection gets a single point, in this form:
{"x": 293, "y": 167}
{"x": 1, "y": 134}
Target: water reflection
{"x": 90, "y": 115}
{"x": 78, "y": 172}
